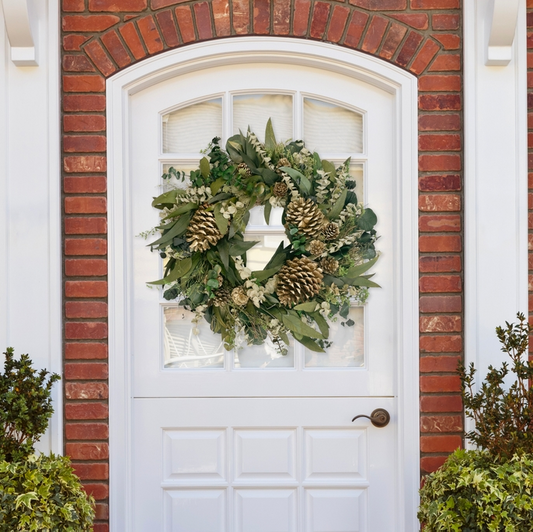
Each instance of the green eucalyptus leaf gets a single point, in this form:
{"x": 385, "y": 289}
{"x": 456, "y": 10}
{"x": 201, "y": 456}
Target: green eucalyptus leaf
{"x": 166, "y": 198}
{"x": 339, "y": 205}
{"x": 205, "y": 168}
{"x": 179, "y": 227}
{"x": 356, "y": 271}
{"x": 322, "y": 323}
{"x": 270, "y": 138}
{"x": 216, "y": 185}
{"x": 182, "y": 209}
{"x": 329, "y": 168}
{"x": 268, "y": 175}
{"x": 181, "y": 268}
{"x": 367, "y": 220}
{"x": 267, "y": 211}
{"x": 261, "y": 275}
{"x": 308, "y": 306}
{"x": 223, "y": 249}
{"x": 310, "y": 344}
{"x": 222, "y": 223}
{"x": 220, "y": 197}
{"x": 361, "y": 281}
{"x": 298, "y": 326}
{"x": 240, "y": 248}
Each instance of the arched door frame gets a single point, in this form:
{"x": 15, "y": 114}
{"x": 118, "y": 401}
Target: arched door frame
{"x": 374, "y": 71}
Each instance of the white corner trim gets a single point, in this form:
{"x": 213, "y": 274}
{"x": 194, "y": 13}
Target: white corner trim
{"x": 154, "y": 70}
{"x": 21, "y": 30}
{"x": 495, "y": 164}
{"x": 503, "y": 20}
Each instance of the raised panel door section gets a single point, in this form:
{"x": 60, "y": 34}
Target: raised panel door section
{"x": 262, "y": 464}
{"x": 194, "y": 511}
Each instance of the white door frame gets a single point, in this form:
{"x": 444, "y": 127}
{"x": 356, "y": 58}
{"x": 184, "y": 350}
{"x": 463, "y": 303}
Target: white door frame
{"x": 297, "y": 52}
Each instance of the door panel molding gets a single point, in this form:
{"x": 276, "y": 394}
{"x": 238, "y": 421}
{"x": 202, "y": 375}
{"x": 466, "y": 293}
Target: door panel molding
{"x": 375, "y": 72}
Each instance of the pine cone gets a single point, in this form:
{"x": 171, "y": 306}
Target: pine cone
{"x": 299, "y": 280}
{"x": 316, "y": 247}
{"x": 280, "y": 189}
{"x": 222, "y": 296}
{"x": 202, "y": 232}
{"x": 306, "y": 216}
{"x": 329, "y": 265}
{"x": 283, "y": 162}
{"x": 239, "y": 296}
{"x": 243, "y": 169}
{"x": 331, "y": 231}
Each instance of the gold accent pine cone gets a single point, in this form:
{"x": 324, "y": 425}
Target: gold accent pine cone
{"x": 306, "y": 216}
{"x": 299, "y": 280}
{"x": 331, "y": 231}
{"x": 329, "y": 265}
{"x": 280, "y": 189}
{"x": 202, "y": 232}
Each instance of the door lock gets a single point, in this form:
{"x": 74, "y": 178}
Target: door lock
{"x": 379, "y": 418}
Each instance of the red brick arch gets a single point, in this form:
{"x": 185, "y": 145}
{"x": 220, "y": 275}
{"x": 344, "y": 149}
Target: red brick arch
{"x": 101, "y": 37}
{"x": 400, "y": 38}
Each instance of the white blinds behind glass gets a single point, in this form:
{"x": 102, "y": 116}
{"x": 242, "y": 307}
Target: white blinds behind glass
{"x": 254, "y": 110}
{"x": 329, "y": 128}
{"x": 190, "y": 129}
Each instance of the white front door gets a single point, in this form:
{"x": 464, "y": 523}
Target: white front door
{"x": 250, "y": 441}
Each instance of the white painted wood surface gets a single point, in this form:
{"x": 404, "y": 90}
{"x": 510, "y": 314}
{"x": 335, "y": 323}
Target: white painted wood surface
{"x": 405, "y": 329}
{"x": 30, "y": 207}
{"x": 496, "y": 225}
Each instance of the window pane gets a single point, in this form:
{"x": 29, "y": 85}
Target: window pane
{"x": 254, "y": 110}
{"x": 263, "y": 356}
{"x": 347, "y": 350}
{"x": 329, "y": 128}
{"x": 190, "y": 129}
{"x": 183, "y": 348}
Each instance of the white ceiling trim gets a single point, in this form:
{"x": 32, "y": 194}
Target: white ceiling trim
{"x": 21, "y": 31}
{"x": 503, "y": 19}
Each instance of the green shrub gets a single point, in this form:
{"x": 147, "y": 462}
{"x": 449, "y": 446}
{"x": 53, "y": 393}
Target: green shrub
{"x": 472, "y": 493}
{"x": 503, "y": 415}
{"x": 43, "y": 494}
{"x": 25, "y": 406}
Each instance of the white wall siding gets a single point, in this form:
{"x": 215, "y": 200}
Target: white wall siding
{"x": 30, "y": 205}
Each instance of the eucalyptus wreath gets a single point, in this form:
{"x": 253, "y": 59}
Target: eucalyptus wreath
{"x": 308, "y": 281}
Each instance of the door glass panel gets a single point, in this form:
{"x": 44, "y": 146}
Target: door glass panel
{"x": 254, "y": 110}
{"x": 188, "y": 345}
{"x": 329, "y": 128}
{"x": 264, "y": 356}
{"x": 191, "y": 128}
{"x": 347, "y": 350}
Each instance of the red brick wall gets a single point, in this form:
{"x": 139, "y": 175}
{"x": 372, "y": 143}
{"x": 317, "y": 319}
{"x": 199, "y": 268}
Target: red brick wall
{"x": 100, "y": 37}
{"x": 530, "y": 155}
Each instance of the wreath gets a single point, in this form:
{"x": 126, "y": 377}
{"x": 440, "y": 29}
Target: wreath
{"x": 313, "y": 278}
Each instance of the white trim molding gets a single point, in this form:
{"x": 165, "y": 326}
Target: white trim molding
{"x": 296, "y": 52}
{"x": 21, "y": 27}
{"x": 496, "y": 224}
{"x": 30, "y": 204}
{"x": 502, "y": 22}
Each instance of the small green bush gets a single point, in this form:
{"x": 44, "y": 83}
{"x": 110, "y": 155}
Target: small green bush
{"x": 472, "y": 493}
{"x": 43, "y": 494}
{"x": 25, "y": 406}
{"x": 503, "y": 414}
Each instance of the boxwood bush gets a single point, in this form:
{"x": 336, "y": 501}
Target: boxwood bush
{"x": 43, "y": 494}
{"x": 473, "y": 493}
{"x": 37, "y": 493}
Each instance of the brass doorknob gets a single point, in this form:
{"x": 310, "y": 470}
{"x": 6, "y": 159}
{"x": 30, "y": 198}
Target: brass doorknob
{"x": 380, "y": 418}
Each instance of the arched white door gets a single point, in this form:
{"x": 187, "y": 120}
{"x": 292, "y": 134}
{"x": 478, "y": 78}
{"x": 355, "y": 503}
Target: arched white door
{"x": 248, "y": 441}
